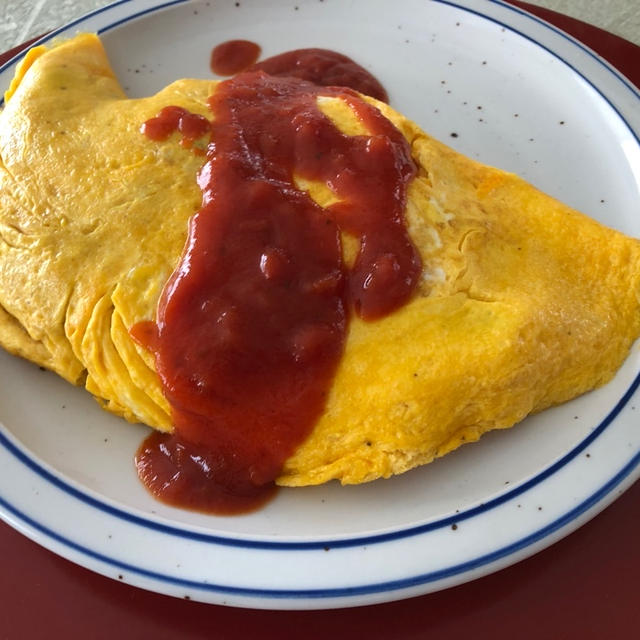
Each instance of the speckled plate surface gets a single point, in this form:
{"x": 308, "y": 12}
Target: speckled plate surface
{"x": 498, "y": 85}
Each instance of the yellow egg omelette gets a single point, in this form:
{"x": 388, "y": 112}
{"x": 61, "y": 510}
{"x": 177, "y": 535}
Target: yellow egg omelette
{"x": 523, "y": 302}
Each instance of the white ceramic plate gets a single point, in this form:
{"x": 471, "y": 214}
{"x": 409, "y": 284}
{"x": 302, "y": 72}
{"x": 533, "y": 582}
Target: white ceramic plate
{"x": 516, "y": 93}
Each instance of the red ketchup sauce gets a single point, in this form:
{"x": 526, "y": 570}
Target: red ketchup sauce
{"x": 251, "y": 325}
{"x": 233, "y": 56}
{"x": 323, "y": 67}
{"x": 191, "y": 125}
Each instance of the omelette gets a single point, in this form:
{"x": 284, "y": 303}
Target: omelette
{"x": 521, "y": 303}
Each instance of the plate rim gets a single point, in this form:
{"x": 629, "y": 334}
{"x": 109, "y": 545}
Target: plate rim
{"x": 22, "y": 454}
{"x": 597, "y": 499}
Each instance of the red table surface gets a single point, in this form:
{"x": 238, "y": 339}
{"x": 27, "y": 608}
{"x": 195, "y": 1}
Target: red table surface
{"x": 585, "y": 586}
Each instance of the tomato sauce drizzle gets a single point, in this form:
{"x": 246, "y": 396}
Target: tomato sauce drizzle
{"x": 320, "y": 66}
{"x": 191, "y": 125}
{"x": 251, "y": 325}
{"x": 233, "y": 56}
{"x": 323, "y": 67}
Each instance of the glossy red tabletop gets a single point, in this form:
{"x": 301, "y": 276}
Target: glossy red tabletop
{"x": 585, "y": 586}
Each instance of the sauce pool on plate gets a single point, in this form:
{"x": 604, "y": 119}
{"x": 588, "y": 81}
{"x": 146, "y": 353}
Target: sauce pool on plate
{"x": 320, "y": 66}
{"x": 323, "y": 67}
{"x": 233, "y": 56}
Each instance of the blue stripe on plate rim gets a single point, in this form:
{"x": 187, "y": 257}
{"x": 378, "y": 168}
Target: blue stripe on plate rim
{"x": 61, "y": 484}
{"x": 366, "y": 589}
{"x": 448, "y": 572}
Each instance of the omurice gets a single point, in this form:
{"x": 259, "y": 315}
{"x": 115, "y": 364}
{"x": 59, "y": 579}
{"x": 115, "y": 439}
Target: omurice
{"x": 288, "y": 282}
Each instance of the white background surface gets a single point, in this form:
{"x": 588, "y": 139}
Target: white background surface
{"x": 21, "y": 20}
